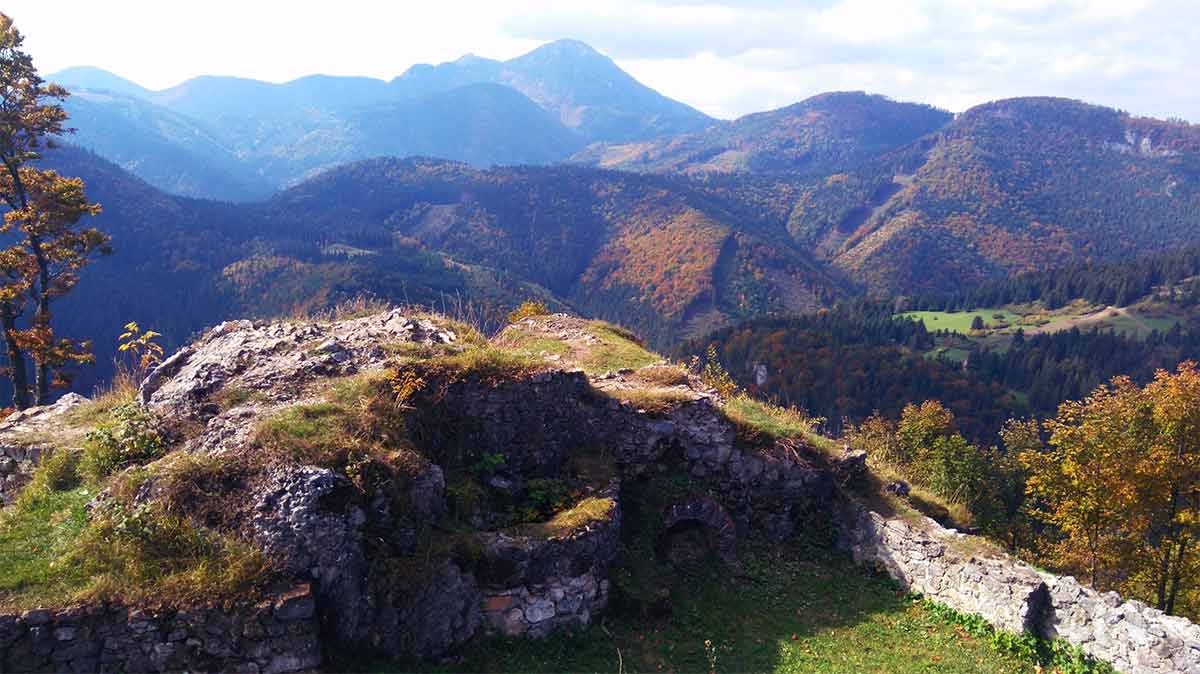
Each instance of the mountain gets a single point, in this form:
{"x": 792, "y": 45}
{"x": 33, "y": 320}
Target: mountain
{"x": 657, "y": 253}
{"x": 88, "y": 77}
{"x": 820, "y": 135}
{"x": 581, "y": 87}
{"x": 166, "y": 149}
{"x": 537, "y": 108}
{"x": 1009, "y": 186}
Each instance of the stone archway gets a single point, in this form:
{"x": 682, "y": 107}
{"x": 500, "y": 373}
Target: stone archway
{"x": 693, "y": 529}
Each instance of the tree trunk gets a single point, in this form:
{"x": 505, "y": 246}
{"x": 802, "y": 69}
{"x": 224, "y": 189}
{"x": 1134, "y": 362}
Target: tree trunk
{"x": 42, "y": 318}
{"x": 1164, "y": 570}
{"x": 16, "y": 359}
{"x": 1176, "y": 573}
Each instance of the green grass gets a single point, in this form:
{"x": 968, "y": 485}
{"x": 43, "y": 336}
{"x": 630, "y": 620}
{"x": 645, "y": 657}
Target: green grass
{"x": 52, "y": 553}
{"x": 565, "y": 523}
{"x": 960, "y": 321}
{"x": 618, "y": 350}
{"x": 756, "y": 420}
{"x": 36, "y": 534}
{"x": 799, "y": 609}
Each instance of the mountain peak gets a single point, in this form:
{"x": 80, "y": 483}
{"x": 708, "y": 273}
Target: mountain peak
{"x": 91, "y": 77}
{"x": 565, "y": 53}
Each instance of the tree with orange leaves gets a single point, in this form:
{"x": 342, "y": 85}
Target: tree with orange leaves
{"x": 44, "y": 249}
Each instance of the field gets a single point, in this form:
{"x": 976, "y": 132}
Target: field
{"x": 1000, "y": 323}
{"x": 960, "y": 321}
{"x": 796, "y": 609}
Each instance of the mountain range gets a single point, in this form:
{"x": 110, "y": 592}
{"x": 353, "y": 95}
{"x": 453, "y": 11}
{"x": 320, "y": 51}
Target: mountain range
{"x": 538, "y": 108}
{"x": 625, "y": 205}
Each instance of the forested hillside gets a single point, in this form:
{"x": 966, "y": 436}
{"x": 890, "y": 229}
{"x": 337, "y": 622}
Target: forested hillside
{"x": 662, "y": 255}
{"x": 1011, "y": 186}
{"x": 861, "y": 358}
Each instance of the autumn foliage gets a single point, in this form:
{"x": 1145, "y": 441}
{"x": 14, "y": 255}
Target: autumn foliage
{"x": 43, "y": 250}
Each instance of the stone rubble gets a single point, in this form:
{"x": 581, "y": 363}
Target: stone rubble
{"x": 26, "y": 435}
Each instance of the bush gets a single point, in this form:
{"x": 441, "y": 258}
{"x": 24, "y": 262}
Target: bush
{"x": 131, "y": 437}
{"x": 57, "y": 472}
{"x": 528, "y": 309}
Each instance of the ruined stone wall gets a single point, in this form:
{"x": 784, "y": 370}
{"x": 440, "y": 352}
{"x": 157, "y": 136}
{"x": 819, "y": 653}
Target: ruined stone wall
{"x": 533, "y": 585}
{"x": 272, "y": 637}
{"x": 964, "y": 573}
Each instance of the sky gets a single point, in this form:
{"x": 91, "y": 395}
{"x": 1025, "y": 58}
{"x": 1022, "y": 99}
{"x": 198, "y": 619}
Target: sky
{"x": 723, "y": 57}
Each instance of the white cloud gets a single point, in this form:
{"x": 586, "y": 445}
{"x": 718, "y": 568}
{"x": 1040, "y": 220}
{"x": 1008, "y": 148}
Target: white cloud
{"x": 726, "y": 57}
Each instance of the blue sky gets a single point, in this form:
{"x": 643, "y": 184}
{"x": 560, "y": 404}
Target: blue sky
{"x": 726, "y": 58}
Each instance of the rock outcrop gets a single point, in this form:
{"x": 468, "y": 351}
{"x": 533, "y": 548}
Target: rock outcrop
{"x": 26, "y": 435}
{"x": 413, "y": 560}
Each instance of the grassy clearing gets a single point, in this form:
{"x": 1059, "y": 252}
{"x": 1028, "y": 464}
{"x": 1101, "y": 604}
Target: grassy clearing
{"x": 960, "y": 321}
{"x": 802, "y": 609}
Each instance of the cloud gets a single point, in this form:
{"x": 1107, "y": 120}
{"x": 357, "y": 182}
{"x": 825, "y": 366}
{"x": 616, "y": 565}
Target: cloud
{"x": 726, "y": 57}
{"x": 731, "y": 58}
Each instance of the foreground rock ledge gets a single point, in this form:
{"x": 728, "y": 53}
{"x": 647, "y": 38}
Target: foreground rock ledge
{"x": 345, "y": 551}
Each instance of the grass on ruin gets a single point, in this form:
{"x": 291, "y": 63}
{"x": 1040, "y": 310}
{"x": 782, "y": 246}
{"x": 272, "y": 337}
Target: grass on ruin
{"x": 52, "y": 552}
{"x": 589, "y": 510}
{"x": 798, "y": 608}
{"x": 618, "y": 349}
{"x": 652, "y": 400}
{"x": 756, "y": 420}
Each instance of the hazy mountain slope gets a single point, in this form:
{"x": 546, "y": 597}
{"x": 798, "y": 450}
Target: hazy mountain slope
{"x": 820, "y": 135}
{"x": 88, "y": 77}
{"x": 591, "y": 94}
{"x": 537, "y": 108}
{"x": 576, "y": 84}
{"x": 164, "y": 148}
{"x": 480, "y": 124}
{"x": 1009, "y": 186}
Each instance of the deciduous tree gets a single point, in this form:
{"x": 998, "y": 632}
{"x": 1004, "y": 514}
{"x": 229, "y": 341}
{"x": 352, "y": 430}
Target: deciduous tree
{"x": 44, "y": 248}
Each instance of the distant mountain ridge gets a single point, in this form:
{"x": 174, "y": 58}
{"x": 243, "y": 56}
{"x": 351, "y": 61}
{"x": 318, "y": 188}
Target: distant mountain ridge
{"x": 819, "y": 135}
{"x": 269, "y": 136}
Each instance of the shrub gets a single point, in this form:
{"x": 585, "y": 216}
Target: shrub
{"x": 715, "y": 375}
{"x": 59, "y": 471}
{"x": 528, "y": 309}
{"x": 131, "y": 437}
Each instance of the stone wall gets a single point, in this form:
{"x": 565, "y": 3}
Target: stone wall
{"x": 271, "y": 637}
{"x": 967, "y": 574}
{"x": 535, "y": 585}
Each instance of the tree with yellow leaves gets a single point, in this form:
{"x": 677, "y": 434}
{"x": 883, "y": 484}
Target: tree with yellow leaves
{"x": 1119, "y": 484}
{"x": 44, "y": 250}
{"x": 1171, "y": 479}
{"x": 1081, "y": 485}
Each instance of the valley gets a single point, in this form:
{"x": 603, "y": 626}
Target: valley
{"x": 521, "y": 365}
